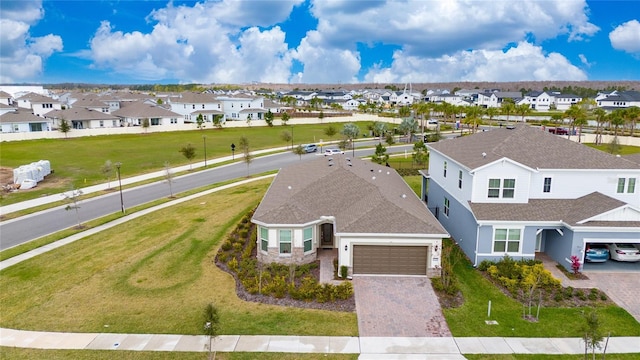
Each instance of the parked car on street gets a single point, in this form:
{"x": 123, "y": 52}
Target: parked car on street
{"x": 309, "y": 148}
{"x": 623, "y": 252}
{"x": 329, "y": 152}
{"x": 559, "y": 131}
{"x": 596, "y": 253}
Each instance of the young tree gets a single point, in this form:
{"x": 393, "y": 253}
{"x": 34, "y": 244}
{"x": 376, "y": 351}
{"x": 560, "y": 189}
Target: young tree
{"x": 299, "y": 150}
{"x": 200, "y": 122}
{"x": 73, "y": 198}
{"x": 64, "y": 127}
{"x": 508, "y": 107}
{"x": 217, "y": 121}
{"x": 285, "y": 118}
{"x": 249, "y": 120}
{"x": 244, "y": 146}
{"x": 601, "y": 116}
{"x": 211, "y": 319}
{"x": 380, "y": 156}
{"x": 189, "y": 152}
{"x": 404, "y": 111}
{"x": 168, "y": 176}
{"x": 321, "y": 116}
{"x": 420, "y": 153}
{"x": 379, "y": 129}
{"x": 592, "y": 333}
{"x": 408, "y": 127}
{"x": 145, "y": 124}
{"x": 107, "y": 171}
{"x": 286, "y": 137}
{"x": 268, "y": 118}
{"x": 330, "y": 131}
{"x": 578, "y": 116}
{"x": 351, "y": 131}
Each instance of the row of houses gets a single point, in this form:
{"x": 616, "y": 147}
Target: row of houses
{"x": 30, "y": 111}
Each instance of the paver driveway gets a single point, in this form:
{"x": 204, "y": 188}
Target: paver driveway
{"x": 398, "y": 306}
{"x": 622, "y": 288}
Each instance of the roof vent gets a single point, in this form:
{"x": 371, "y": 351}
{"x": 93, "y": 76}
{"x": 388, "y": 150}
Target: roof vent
{"x": 289, "y": 187}
{"x": 484, "y": 154}
{"x": 404, "y": 196}
{"x": 373, "y": 178}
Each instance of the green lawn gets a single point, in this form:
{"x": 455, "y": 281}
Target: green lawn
{"x": 624, "y": 149}
{"x": 469, "y": 319}
{"x": 152, "y": 275}
{"x": 550, "y": 357}
{"x": 77, "y": 161}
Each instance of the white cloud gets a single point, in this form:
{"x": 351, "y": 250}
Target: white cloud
{"x": 626, "y": 37}
{"x": 521, "y": 63}
{"x": 22, "y": 55}
{"x": 209, "y": 42}
{"x": 325, "y": 65}
{"x": 584, "y": 61}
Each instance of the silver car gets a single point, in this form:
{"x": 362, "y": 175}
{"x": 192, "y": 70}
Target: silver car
{"x": 623, "y": 252}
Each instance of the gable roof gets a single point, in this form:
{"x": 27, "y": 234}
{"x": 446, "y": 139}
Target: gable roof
{"x": 139, "y": 109}
{"x": 363, "y": 197}
{"x": 21, "y": 116}
{"x": 79, "y": 113}
{"x": 570, "y": 211}
{"x": 529, "y": 146}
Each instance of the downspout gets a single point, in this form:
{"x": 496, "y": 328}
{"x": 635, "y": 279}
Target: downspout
{"x": 475, "y": 255}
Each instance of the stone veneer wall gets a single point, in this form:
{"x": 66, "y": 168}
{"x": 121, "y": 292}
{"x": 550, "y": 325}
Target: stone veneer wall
{"x": 434, "y": 272}
{"x": 297, "y": 257}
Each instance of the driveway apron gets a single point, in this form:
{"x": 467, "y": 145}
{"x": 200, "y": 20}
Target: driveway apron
{"x": 398, "y": 306}
{"x": 622, "y": 288}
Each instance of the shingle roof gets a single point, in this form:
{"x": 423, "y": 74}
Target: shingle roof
{"x": 363, "y": 198}
{"x": 528, "y": 146}
{"x": 139, "y": 109}
{"x": 79, "y": 113}
{"x": 21, "y": 116}
{"x": 569, "y": 211}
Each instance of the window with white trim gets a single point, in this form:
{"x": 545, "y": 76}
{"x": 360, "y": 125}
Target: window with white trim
{"x": 506, "y": 241}
{"x": 459, "y": 179}
{"x": 631, "y": 186}
{"x": 621, "y": 182}
{"x": 285, "y": 241}
{"x": 445, "y": 169}
{"x": 446, "y": 206}
{"x": 504, "y": 187}
{"x": 308, "y": 239}
{"x": 264, "y": 239}
{"x": 547, "y": 185}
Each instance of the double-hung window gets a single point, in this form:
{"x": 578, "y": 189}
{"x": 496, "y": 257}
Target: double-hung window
{"x": 631, "y": 186}
{"x": 547, "y": 185}
{"x": 504, "y": 187}
{"x": 308, "y": 239}
{"x": 460, "y": 179}
{"x": 508, "y": 188}
{"x": 494, "y": 188}
{"x": 621, "y": 182}
{"x": 285, "y": 241}
{"x": 506, "y": 241}
{"x": 445, "y": 169}
{"x": 264, "y": 239}
{"x": 446, "y": 206}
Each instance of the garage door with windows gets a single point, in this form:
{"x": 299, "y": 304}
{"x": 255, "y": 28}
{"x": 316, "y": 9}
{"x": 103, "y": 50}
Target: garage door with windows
{"x": 391, "y": 260}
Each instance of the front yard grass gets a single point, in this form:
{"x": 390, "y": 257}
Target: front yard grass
{"x": 153, "y": 275}
{"x": 469, "y": 319}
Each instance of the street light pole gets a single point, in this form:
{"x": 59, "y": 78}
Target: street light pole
{"x": 204, "y": 139}
{"x": 118, "y": 164}
{"x": 291, "y": 137}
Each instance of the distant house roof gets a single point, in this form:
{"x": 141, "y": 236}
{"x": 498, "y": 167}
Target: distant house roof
{"x": 570, "y": 211}
{"x": 139, "y": 109}
{"x": 623, "y": 96}
{"x": 79, "y": 113}
{"x": 529, "y": 146}
{"x": 363, "y": 197}
{"x": 37, "y": 98}
{"x": 21, "y": 116}
{"x": 193, "y": 98}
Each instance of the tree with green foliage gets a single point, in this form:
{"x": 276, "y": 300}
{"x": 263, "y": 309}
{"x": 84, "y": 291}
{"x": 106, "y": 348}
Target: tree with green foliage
{"x": 217, "y": 121}
{"x": 64, "y": 127}
{"x": 321, "y": 116}
{"x": 211, "y": 326}
{"x": 408, "y": 127}
{"x": 508, "y": 107}
{"x": 616, "y": 119}
{"x": 246, "y": 151}
{"x": 159, "y": 102}
{"x": 200, "y": 121}
{"x": 350, "y": 132}
{"x": 380, "y": 156}
{"x": 593, "y": 335}
{"x": 404, "y": 111}
{"x": 601, "y": 116}
{"x": 631, "y": 116}
{"x": 285, "y": 118}
{"x": 286, "y": 137}
{"x": 330, "y": 131}
{"x": 189, "y": 152}
{"x": 107, "y": 171}
{"x": 315, "y": 102}
{"x": 249, "y": 118}
{"x": 578, "y": 118}
{"x": 523, "y": 110}
{"x": 299, "y": 150}
{"x": 379, "y": 129}
{"x": 420, "y": 153}
{"x": 268, "y": 118}
{"x": 492, "y": 112}
{"x": 145, "y": 124}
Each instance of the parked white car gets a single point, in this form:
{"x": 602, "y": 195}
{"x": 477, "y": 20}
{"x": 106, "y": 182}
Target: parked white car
{"x": 623, "y": 252}
{"x": 329, "y": 152}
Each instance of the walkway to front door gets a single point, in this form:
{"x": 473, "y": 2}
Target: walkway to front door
{"x": 398, "y": 306}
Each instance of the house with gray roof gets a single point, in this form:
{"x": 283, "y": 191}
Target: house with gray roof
{"x": 21, "y": 120}
{"x": 82, "y": 118}
{"x": 364, "y": 212}
{"x": 519, "y": 190}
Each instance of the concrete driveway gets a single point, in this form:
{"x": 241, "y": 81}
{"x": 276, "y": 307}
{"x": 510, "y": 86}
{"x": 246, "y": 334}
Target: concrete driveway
{"x": 398, "y": 306}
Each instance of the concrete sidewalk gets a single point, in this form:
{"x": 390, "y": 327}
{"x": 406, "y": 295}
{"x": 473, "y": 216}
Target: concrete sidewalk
{"x": 368, "y": 347}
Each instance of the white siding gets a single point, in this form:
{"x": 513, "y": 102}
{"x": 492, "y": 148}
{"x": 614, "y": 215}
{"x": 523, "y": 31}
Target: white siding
{"x": 501, "y": 170}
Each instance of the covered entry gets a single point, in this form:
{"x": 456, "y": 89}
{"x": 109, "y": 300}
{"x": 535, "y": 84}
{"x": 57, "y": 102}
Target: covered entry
{"x": 395, "y": 260}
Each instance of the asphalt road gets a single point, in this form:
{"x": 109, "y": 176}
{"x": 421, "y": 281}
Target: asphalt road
{"x": 17, "y": 231}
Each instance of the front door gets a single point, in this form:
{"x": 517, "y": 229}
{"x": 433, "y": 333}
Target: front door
{"x": 326, "y": 236}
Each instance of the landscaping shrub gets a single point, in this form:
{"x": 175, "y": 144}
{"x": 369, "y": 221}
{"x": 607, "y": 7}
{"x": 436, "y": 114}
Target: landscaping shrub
{"x": 344, "y": 291}
{"x": 344, "y": 271}
{"x": 485, "y": 264}
{"x": 226, "y": 246}
{"x": 233, "y": 264}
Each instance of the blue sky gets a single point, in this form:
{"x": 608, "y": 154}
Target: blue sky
{"x": 313, "y": 42}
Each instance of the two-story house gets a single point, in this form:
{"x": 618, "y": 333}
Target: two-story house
{"x": 519, "y": 190}
{"x": 538, "y": 100}
{"x": 190, "y": 104}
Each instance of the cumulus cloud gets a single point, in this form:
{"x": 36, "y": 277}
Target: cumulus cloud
{"x": 525, "y": 62}
{"x": 626, "y": 37}
{"x": 22, "y": 55}
{"x": 208, "y": 42}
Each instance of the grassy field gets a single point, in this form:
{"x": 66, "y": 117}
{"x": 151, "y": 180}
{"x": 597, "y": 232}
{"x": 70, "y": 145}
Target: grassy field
{"x": 28, "y": 354}
{"x": 624, "y": 149}
{"x": 152, "y": 275}
{"x": 550, "y": 357}
{"x": 469, "y": 319}
{"x": 77, "y": 161}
